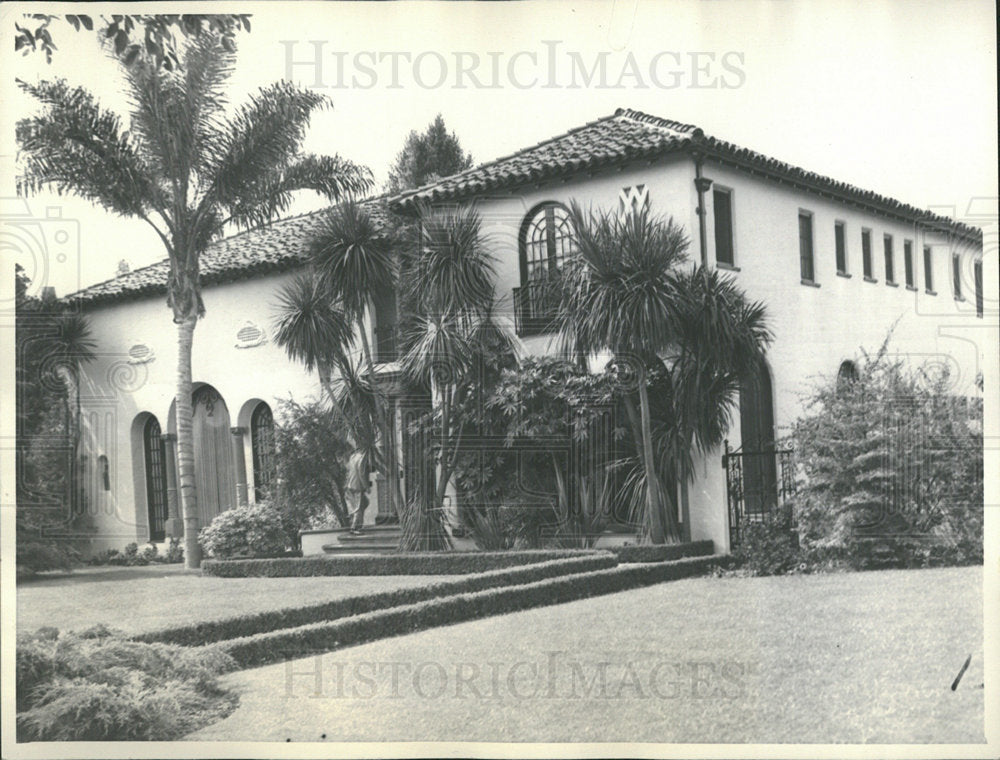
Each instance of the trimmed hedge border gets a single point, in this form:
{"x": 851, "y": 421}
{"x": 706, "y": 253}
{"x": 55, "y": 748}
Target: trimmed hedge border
{"x": 420, "y": 563}
{"x": 292, "y": 643}
{"x": 199, "y": 634}
{"x": 662, "y": 552}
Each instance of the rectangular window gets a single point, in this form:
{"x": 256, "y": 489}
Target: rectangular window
{"x": 806, "y": 246}
{"x": 956, "y": 276}
{"x": 890, "y": 274}
{"x": 722, "y": 200}
{"x": 977, "y": 271}
{"x": 908, "y": 262}
{"x": 928, "y": 272}
{"x": 866, "y": 254}
{"x": 841, "y": 244}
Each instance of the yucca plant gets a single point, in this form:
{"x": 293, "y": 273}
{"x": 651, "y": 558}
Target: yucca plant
{"x": 624, "y": 292}
{"x": 188, "y": 169}
{"x": 453, "y": 345}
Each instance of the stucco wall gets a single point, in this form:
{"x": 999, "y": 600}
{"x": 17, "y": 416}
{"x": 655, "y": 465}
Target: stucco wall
{"x": 115, "y": 392}
{"x": 815, "y": 328}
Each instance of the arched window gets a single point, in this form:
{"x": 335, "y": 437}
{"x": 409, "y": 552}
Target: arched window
{"x": 547, "y": 239}
{"x": 846, "y": 375}
{"x": 156, "y": 478}
{"x": 262, "y": 437}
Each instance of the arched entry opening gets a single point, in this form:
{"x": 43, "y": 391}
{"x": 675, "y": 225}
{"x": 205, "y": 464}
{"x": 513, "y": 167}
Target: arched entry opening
{"x": 214, "y": 468}
{"x": 760, "y": 477}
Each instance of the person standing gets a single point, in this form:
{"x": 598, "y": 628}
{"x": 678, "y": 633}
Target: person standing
{"x": 357, "y": 486}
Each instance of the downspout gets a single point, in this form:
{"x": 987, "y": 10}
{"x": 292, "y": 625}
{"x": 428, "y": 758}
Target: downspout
{"x": 702, "y": 184}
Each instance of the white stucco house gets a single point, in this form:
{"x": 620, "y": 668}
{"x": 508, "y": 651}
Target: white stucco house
{"x": 836, "y": 265}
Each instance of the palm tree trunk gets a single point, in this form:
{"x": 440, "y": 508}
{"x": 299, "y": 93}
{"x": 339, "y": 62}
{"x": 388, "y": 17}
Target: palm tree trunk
{"x": 654, "y": 514}
{"x": 185, "y": 443}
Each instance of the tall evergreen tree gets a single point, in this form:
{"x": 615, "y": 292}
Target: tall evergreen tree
{"x": 427, "y": 157}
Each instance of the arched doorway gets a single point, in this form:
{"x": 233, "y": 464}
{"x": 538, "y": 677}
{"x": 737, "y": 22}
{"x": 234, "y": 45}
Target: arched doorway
{"x": 262, "y": 441}
{"x": 760, "y": 476}
{"x": 214, "y": 469}
{"x": 156, "y": 478}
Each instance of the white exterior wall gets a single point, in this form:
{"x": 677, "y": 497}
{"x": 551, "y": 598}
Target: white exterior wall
{"x": 815, "y": 329}
{"x": 115, "y": 393}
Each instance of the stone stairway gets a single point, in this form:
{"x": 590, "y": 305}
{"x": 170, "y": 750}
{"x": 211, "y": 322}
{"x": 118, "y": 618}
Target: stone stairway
{"x": 374, "y": 539}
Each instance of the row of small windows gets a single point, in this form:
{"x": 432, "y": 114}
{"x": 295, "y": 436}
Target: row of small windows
{"x": 807, "y": 260}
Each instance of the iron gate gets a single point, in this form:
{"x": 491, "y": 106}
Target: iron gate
{"x": 757, "y": 484}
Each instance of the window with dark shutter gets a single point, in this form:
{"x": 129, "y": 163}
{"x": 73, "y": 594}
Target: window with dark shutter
{"x": 840, "y": 242}
{"x": 928, "y": 271}
{"x": 806, "y": 269}
{"x": 908, "y": 262}
{"x": 866, "y": 254}
{"x": 956, "y": 276}
{"x": 890, "y": 273}
{"x": 722, "y": 200}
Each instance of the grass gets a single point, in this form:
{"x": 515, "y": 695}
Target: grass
{"x": 854, "y": 657}
{"x": 140, "y": 600}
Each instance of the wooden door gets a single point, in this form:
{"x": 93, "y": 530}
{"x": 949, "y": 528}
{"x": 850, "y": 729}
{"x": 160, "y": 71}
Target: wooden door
{"x": 214, "y": 469}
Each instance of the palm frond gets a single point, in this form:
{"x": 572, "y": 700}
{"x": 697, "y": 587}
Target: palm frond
{"x": 353, "y": 257}
{"x": 310, "y": 326}
{"x": 257, "y": 145}
{"x": 331, "y": 176}
{"x": 77, "y": 146}
{"x": 455, "y": 270}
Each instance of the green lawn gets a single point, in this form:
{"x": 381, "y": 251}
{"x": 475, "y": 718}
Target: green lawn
{"x": 141, "y": 599}
{"x": 859, "y": 657}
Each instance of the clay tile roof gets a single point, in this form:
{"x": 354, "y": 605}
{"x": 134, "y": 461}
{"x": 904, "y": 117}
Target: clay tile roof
{"x": 628, "y": 135}
{"x": 283, "y": 244}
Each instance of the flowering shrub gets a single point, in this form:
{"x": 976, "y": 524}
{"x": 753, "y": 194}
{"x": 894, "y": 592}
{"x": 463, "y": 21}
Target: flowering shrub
{"x": 255, "y": 530}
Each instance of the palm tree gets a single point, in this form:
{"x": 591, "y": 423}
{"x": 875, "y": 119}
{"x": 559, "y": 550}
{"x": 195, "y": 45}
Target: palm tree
{"x": 315, "y": 330}
{"x": 354, "y": 264}
{"x": 622, "y": 292}
{"x": 187, "y": 170}
{"x": 454, "y": 341}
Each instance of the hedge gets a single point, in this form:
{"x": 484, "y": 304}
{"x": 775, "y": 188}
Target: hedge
{"x": 418, "y": 563}
{"x": 291, "y": 643}
{"x": 209, "y": 632}
{"x": 662, "y": 552}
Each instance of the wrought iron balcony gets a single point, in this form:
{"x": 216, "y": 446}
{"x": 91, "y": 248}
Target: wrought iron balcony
{"x": 536, "y": 306}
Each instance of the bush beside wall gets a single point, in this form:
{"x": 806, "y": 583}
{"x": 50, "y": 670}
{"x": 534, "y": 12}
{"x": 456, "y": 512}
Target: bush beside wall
{"x": 248, "y": 625}
{"x": 292, "y": 643}
{"x": 421, "y": 563}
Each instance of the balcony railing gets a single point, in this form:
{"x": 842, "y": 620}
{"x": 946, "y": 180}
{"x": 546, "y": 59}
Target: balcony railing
{"x": 536, "y": 306}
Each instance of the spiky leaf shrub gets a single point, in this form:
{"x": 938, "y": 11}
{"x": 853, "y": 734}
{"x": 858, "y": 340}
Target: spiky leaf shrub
{"x": 892, "y": 468}
{"x": 96, "y": 685}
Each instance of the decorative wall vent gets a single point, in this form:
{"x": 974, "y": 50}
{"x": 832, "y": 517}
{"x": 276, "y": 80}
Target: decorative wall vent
{"x": 632, "y": 200}
{"x": 140, "y": 353}
{"x": 250, "y": 335}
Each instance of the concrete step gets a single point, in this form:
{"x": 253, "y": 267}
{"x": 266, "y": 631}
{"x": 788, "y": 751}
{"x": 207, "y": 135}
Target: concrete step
{"x": 378, "y": 539}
